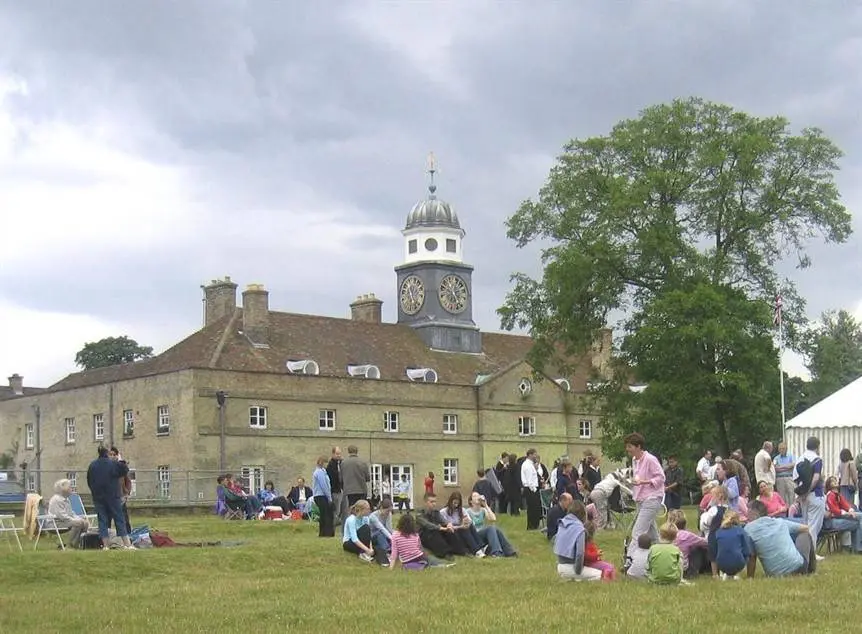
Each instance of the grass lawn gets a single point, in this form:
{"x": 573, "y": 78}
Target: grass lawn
{"x": 285, "y": 578}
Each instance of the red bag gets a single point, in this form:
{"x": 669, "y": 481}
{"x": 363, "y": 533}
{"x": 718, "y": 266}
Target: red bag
{"x": 161, "y": 540}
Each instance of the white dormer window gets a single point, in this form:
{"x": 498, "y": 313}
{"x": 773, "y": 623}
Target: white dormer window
{"x": 366, "y": 371}
{"x": 303, "y": 366}
{"x": 422, "y": 375}
{"x": 564, "y": 384}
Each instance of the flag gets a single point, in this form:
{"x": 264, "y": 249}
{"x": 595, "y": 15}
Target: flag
{"x": 776, "y": 313}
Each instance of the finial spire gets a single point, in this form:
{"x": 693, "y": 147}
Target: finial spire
{"x": 432, "y": 168}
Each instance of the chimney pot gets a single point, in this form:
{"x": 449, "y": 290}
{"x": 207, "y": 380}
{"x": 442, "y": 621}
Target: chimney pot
{"x": 16, "y": 383}
{"x": 367, "y": 308}
{"x": 220, "y": 299}
{"x": 255, "y": 314}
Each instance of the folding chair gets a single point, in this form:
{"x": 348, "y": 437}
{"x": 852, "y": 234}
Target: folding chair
{"x": 234, "y": 506}
{"x": 78, "y": 509}
{"x": 47, "y": 523}
{"x": 7, "y": 527}
{"x": 545, "y": 495}
{"x": 312, "y": 512}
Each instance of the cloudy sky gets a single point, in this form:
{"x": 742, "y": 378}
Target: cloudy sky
{"x": 147, "y": 147}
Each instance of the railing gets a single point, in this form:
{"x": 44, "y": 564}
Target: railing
{"x": 174, "y": 487}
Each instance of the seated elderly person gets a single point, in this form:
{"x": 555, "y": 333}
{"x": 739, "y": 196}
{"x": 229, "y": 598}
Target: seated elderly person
{"x": 300, "y": 495}
{"x": 61, "y": 508}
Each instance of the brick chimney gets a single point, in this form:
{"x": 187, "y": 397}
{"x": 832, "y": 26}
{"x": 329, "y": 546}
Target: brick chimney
{"x": 255, "y": 314}
{"x": 367, "y": 308}
{"x": 220, "y": 299}
{"x": 16, "y": 384}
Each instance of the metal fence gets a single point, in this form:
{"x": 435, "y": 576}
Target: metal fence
{"x": 174, "y": 487}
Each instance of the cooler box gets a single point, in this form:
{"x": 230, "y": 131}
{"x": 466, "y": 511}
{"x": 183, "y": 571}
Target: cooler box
{"x": 273, "y": 513}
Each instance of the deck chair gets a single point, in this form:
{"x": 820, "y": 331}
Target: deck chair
{"x": 620, "y": 511}
{"x": 47, "y": 523}
{"x": 234, "y": 506}
{"x": 78, "y": 509}
{"x": 545, "y": 495}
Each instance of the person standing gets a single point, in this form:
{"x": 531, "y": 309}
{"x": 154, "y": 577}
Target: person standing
{"x": 530, "y": 482}
{"x": 674, "y": 482}
{"x": 355, "y": 476}
{"x": 339, "y": 502}
{"x": 813, "y": 501}
{"x": 702, "y": 468}
{"x": 103, "y": 478}
{"x": 321, "y": 489}
{"x": 125, "y": 487}
{"x": 764, "y": 468}
{"x": 783, "y": 463}
{"x": 429, "y": 483}
{"x": 848, "y": 479}
{"x": 648, "y": 480}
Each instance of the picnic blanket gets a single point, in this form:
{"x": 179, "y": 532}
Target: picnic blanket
{"x": 160, "y": 539}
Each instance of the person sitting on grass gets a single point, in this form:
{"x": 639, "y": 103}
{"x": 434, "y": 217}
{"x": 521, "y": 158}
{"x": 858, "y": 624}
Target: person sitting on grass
{"x": 732, "y": 551}
{"x": 593, "y": 555}
{"x": 636, "y": 567}
{"x": 455, "y": 516}
{"x": 694, "y": 548}
{"x": 556, "y": 513}
{"x": 784, "y": 547}
{"x": 664, "y": 562}
{"x": 490, "y": 536}
{"x": 842, "y": 516}
{"x": 381, "y": 525}
{"x": 356, "y": 538}
{"x": 570, "y": 546}
{"x": 407, "y": 547}
{"x": 61, "y": 508}
{"x": 774, "y": 503}
{"x": 711, "y": 521}
{"x": 437, "y": 534}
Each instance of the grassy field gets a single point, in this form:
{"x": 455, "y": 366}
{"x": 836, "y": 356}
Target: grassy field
{"x": 284, "y": 578}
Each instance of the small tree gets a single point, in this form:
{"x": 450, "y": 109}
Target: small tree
{"x": 111, "y": 351}
{"x": 834, "y": 353}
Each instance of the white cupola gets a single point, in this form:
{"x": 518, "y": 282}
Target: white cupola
{"x": 432, "y": 232}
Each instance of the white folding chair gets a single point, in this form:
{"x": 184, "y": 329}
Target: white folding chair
{"x": 47, "y": 523}
{"x": 7, "y": 527}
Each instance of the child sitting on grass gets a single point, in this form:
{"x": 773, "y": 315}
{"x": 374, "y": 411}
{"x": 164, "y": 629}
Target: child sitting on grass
{"x": 694, "y": 548}
{"x": 732, "y": 551}
{"x": 593, "y": 556}
{"x": 407, "y": 547}
{"x": 664, "y": 562}
{"x": 570, "y": 546}
{"x": 356, "y": 537}
{"x": 637, "y": 563}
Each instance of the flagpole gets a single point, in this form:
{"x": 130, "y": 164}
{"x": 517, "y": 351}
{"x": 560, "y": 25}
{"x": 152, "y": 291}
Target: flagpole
{"x": 778, "y": 314}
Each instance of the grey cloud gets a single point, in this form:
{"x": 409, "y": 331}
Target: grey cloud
{"x": 268, "y": 102}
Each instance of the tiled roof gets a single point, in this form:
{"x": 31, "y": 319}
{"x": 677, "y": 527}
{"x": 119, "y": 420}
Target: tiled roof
{"x": 6, "y": 393}
{"x": 331, "y": 342}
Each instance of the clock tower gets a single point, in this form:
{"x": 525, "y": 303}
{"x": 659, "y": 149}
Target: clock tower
{"x": 435, "y": 288}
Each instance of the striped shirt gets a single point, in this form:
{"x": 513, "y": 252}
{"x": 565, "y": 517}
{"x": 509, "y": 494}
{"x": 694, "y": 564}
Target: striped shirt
{"x": 406, "y": 547}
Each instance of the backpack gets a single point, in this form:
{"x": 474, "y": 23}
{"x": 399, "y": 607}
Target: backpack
{"x": 804, "y": 476}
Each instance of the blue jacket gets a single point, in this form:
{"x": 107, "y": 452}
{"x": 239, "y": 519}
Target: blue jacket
{"x": 103, "y": 478}
{"x": 570, "y": 542}
{"x": 732, "y": 549}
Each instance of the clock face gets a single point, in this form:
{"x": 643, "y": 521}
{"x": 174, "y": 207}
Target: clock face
{"x": 412, "y": 295}
{"x": 453, "y": 294}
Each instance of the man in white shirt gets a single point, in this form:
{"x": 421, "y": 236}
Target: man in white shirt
{"x": 711, "y": 475}
{"x": 764, "y": 469}
{"x": 530, "y": 482}
{"x": 703, "y": 465}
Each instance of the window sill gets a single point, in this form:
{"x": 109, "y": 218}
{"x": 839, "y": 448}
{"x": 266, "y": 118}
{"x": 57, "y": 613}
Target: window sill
{"x": 450, "y": 433}
{"x": 162, "y": 434}
{"x": 390, "y": 431}
{"x": 29, "y": 447}
{"x": 257, "y": 427}
{"x": 128, "y": 436}
{"x": 451, "y": 485}
{"x": 326, "y": 429}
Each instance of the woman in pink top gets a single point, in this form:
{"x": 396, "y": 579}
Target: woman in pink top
{"x": 407, "y": 548}
{"x": 774, "y": 503}
{"x": 648, "y": 485}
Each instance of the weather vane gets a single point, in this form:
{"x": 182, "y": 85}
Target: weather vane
{"x": 432, "y": 168}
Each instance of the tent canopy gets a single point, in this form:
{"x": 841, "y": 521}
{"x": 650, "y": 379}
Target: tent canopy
{"x": 841, "y": 409}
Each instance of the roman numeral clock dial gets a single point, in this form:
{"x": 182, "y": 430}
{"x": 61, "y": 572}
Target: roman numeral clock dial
{"x": 412, "y": 295}
{"x": 453, "y": 294}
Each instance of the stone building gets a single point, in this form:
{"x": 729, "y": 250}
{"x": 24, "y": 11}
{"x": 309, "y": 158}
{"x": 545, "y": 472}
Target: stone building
{"x": 265, "y": 392}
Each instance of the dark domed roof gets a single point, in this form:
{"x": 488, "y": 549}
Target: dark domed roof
{"x": 432, "y": 212}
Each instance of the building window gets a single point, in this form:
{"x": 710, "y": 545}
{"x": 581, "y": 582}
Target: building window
{"x": 526, "y": 426}
{"x": 72, "y": 477}
{"x": 29, "y": 436}
{"x": 164, "y": 476}
{"x": 163, "y": 420}
{"x": 450, "y": 423}
{"x": 31, "y": 482}
{"x": 450, "y": 471}
{"x": 585, "y": 429}
{"x": 253, "y": 477}
{"x": 412, "y": 246}
{"x": 326, "y": 420}
{"x": 525, "y": 386}
{"x": 128, "y": 423}
{"x": 70, "y": 431}
{"x": 390, "y": 421}
{"x": 98, "y": 426}
{"x": 451, "y": 246}
{"x": 257, "y": 417}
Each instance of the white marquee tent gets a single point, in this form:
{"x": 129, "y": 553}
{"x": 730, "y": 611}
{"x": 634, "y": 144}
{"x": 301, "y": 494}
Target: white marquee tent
{"x": 836, "y": 421}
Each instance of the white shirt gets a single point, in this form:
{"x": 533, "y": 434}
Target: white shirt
{"x": 711, "y": 473}
{"x": 529, "y": 475}
{"x": 553, "y": 477}
{"x": 385, "y": 487}
{"x": 764, "y": 469}
{"x": 703, "y": 468}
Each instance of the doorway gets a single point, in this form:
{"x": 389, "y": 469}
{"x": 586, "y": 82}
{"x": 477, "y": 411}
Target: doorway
{"x": 394, "y": 480}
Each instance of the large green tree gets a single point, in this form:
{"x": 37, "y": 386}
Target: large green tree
{"x": 834, "y": 353}
{"x": 677, "y": 220}
{"x": 111, "y": 351}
